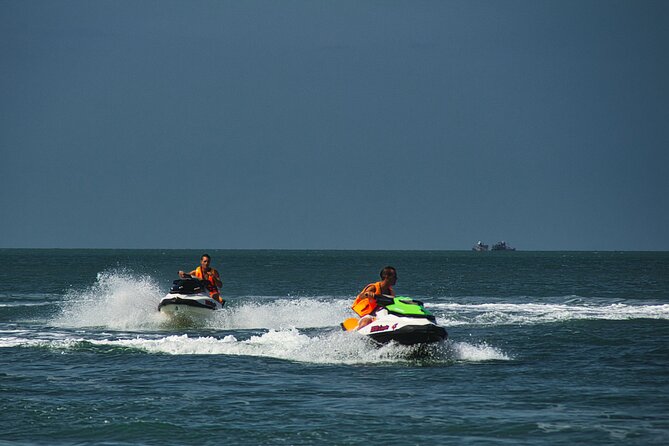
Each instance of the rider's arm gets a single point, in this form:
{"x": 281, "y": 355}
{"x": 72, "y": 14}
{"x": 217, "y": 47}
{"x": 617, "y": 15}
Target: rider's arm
{"x": 217, "y": 278}
{"x": 368, "y": 292}
{"x": 185, "y": 275}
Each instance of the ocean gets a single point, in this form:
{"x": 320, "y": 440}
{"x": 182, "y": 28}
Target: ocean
{"x": 544, "y": 348}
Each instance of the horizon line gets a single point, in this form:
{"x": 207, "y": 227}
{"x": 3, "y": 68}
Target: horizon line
{"x": 327, "y": 249}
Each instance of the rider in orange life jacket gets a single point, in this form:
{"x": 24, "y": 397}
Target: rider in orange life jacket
{"x": 208, "y": 274}
{"x": 365, "y": 303}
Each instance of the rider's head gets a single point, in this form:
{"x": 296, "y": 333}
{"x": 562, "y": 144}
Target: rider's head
{"x": 205, "y": 260}
{"x": 389, "y": 273}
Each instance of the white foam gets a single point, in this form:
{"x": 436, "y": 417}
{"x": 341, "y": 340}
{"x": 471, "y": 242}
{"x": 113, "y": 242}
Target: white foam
{"x": 49, "y": 340}
{"x": 282, "y": 314}
{"x": 118, "y": 300}
{"x": 335, "y": 347}
{"x": 453, "y": 314}
{"x": 29, "y": 338}
{"x": 292, "y": 345}
{"x": 14, "y": 341}
{"x": 121, "y": 300}
{"x": 464, "y": 351}
{"x": 328, "y": 348}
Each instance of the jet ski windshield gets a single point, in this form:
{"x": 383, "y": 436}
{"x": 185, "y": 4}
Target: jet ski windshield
{"x": 188, "y": 286}
{"x": 404, "y": 306}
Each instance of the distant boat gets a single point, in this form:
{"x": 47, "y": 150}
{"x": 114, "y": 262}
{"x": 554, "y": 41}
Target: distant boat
{"x": 480, "y": 247}
{"x": 502, "y": 246}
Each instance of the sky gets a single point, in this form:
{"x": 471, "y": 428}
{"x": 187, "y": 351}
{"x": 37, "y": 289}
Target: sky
{"x": 334, "y": 124}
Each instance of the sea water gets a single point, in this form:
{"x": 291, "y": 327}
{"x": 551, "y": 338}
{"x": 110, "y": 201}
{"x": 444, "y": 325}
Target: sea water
{"x": 544, "y": 348}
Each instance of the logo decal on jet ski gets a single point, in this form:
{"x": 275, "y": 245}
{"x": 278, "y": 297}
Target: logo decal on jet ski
{"x": 376, "y": 328}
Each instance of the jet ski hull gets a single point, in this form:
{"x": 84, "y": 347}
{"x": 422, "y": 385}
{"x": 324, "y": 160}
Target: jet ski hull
{"x": 387, "y": 328}
{"x": 412, "y": 335}
{"x": 188, "y": 306}
{"x": 189, "y": 298}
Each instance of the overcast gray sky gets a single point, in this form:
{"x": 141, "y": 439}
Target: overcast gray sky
{"x": 340, "y": 124}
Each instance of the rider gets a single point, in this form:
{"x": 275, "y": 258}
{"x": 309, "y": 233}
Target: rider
{"x": 365, "y": 303}
{"x": 208, "y": 274}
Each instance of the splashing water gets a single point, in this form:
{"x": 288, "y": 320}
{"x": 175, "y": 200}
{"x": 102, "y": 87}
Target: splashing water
{"x": 336, "y": 348}
{"x": 281, "y": 314}
{"x": 117, "y": 300}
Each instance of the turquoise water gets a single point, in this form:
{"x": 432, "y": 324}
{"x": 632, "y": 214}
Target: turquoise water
{"x": 545, "y": 348}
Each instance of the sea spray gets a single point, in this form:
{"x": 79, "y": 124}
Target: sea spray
{"x": 280, "y": 313}
{"x": 117, "y": 300}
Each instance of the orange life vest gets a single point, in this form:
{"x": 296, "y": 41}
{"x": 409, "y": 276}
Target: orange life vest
{"x": 365, "y": 305}
{"x": 211, "y": 282}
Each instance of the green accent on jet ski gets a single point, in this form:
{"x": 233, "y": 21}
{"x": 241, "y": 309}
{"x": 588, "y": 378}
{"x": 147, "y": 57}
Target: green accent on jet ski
{"x": 407, "y": 307}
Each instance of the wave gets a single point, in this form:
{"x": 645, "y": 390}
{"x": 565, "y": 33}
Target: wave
{"x": 292, "y": 345}
{"x": 21, "y": 304}
{"x": 455, "y": 314}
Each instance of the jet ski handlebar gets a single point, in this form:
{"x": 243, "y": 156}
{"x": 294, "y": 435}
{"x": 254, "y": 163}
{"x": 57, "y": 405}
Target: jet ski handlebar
{"x": 189, "y": 285}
